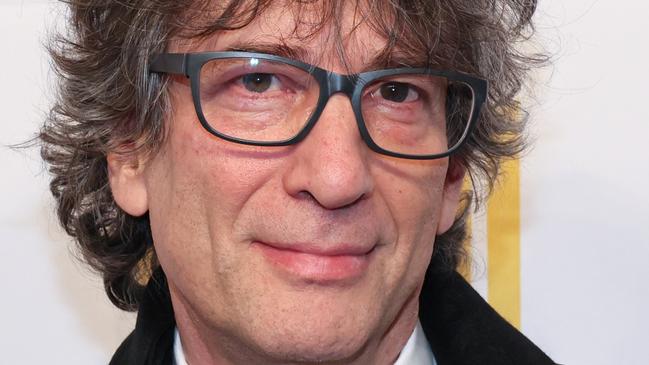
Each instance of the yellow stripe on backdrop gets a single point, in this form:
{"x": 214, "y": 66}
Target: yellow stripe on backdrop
{"x": 503, "y": 242}
{"x": 466, "y": 269}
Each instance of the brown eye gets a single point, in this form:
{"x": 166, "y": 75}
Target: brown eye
{"x": 395, "y": 91}
{"x": 257, "y": 82}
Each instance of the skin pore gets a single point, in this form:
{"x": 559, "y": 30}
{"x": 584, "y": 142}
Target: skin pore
{"x": 214, "y": 205}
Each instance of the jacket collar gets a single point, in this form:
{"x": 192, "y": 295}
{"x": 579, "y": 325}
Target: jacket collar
{"x": 463, "y": 329}
{"x": 151, "y": 342}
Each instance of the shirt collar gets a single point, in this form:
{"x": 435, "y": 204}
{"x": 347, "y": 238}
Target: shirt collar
{"x": 179, "y": 354}
{"x": 416, "y": 352}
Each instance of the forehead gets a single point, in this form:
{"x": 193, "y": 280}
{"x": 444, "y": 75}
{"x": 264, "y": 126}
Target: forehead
{"x": 319, "y": 33}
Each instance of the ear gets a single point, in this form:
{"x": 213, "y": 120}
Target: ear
{"x": 451, "y": 196}
{"x": 127, "y": 182}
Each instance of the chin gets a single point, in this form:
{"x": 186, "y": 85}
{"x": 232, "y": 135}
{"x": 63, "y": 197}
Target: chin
{"x": 315, "y": 349}
{"x": 323, "y": 336}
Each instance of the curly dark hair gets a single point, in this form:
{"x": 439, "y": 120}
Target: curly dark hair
{"x": 108, "y": 101}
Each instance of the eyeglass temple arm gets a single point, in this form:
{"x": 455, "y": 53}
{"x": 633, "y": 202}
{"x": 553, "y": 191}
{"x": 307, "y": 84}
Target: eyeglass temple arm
{"x": 170, "y": 63}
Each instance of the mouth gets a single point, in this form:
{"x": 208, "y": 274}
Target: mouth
{"x": 338, "y": 265}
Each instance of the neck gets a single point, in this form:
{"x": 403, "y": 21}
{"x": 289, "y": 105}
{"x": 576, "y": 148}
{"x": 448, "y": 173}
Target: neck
{"x": 203, "y": 345}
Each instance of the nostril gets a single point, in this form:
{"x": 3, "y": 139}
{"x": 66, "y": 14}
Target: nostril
{"x": 330, "y": 183}
{"x": 329, "y": 204}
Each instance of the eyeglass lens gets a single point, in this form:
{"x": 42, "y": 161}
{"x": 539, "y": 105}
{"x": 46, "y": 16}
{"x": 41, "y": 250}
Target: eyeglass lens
{"x": 271, "y": 101}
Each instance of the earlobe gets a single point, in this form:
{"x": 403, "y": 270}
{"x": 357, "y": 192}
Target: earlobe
{"x": 127, "y": 183}
{"x": 451, "y": 198}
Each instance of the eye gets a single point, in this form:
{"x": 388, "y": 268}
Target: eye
{"x": 257, "y": 82}
{"x": 398, "y": 92}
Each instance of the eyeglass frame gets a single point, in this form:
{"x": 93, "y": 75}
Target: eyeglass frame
{"x": 330, "y": 83}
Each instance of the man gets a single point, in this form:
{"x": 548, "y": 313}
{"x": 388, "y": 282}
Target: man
{"x": 278, "y": 182}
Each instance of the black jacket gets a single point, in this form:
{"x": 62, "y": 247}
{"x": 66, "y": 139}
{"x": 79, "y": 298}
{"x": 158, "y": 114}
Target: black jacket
{"x": 460, "y": 326}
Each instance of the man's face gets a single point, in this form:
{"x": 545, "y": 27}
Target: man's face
{"x": 311, "y": 251}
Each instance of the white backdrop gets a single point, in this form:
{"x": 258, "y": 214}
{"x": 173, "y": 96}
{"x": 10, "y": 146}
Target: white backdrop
{"x": 584, "y": 219}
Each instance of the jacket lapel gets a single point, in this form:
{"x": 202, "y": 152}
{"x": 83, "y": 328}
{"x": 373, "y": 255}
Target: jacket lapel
{"x": 151, "y": 343}
{"x": 463, "y": 329}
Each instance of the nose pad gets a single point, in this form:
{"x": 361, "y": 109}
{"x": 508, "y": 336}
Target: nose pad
{"x": 331, "y": 164}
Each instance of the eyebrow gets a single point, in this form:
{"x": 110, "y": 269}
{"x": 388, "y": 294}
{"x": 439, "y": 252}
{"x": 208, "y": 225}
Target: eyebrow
{"x": 278, "y": 49}
{"x": 382, "y": 60}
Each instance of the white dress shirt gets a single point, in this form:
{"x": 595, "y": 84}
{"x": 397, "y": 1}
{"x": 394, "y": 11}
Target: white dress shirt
{"x": 416, "y": 352}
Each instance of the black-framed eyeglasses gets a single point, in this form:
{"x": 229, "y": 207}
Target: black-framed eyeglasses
{"x": 267, "y": 100}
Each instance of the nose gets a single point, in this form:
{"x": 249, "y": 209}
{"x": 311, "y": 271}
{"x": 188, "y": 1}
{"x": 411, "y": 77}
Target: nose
{"x": 331, "y": 163}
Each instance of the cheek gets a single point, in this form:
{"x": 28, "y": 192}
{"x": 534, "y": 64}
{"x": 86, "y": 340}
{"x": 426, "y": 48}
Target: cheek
{"x": 414, "y": 196}
{"x": 414, "y": 199}
{"x": 198, "y": 185}
{"x": 210, "y": 177}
